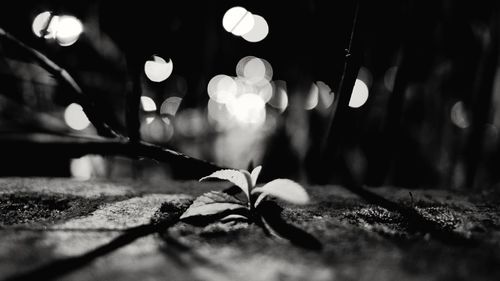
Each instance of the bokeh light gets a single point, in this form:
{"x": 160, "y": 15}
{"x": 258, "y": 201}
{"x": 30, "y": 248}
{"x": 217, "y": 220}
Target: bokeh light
{"x": 248, "y": 109}
{"x": 42, "y": 25}
{"x": 326, "y": 95}
{"x": 359, "y": 94}
{"x": 219, "y": 116}
{"x": 81, "y": 168}
{"x": 238, "y": 21}
{"x": 459, "y": 115}
{"x": 254, "y": 70}
{"x": 390, "y": 77}
{"x": 148, "y": 104}
{"x": 312, "y": 97}
{"x": 75, "y": 118}
{"x": 157, "y": 69}
{"x": 157, "y": 130}
{"x": 259, "y": 30}
{"x": 222, "y": 88}
{"x": 65, "y": 29}
{"x": 68, "y": 30}
{"x": 279, "y": 99}
{"x": 265, "y": 91}
{"x": 170, "y": 106}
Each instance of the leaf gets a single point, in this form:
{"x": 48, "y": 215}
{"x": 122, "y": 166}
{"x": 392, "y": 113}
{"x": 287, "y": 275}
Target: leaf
{"x": 248, "y": 177}
{"x": 234, "y": 217}
{"x": 255, "y": 174}
{"x": 260, "y": 198}
{"x": 234, "y": 176}
{"x": 212, "y": 203}
{"x": 283, "y": 189}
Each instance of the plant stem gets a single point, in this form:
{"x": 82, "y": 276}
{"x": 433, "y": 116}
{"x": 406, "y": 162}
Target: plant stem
{"x": 133, "y": 101}
{"x": 88, "y": 106}
{"x": 344, "y": 87}
{"x": 49, "y": 146}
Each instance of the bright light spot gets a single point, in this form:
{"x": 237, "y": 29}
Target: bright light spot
{"x": 148, "y": 104}
{"x": 75, "y": 117}
{"x": 259, "y": 30}
{"x": 158, "y": 69}
{"x": 244, "y": 86}
{"x": 326, "y": 96}
{"x": 170, "y": 106}
{"x": 390, "y": 77}
{"x": 248, "y": 109}
{"x": 265, "y": 91}
{"x": 311, "y": 100}
{"x": 81, "y": 168}
{"x": 280, "y": 97}
{"x": 65, "y": 29}
{"x": 69, "y": 29}
{"x": 254, "y": 70}
{"x": 222, "y": 88}
{"x": 41, "y": 25}
{"x": 359, "y": 94}
{"x": 459, "y": 115}
{"x": 149, "y": 120}
{"x": 238, "y": 21}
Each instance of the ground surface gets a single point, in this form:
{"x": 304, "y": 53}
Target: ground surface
{"x": 47, "y": 220}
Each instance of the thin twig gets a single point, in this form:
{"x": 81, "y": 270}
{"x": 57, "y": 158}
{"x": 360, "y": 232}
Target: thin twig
{"x": 88, "y": 106}
{"x": 416, "y": 220}
{"x": 133, "y": 101}
{"x": 195, "y": 168}
{"x": 49, "y": 146}
{"x": 341, "y": 90}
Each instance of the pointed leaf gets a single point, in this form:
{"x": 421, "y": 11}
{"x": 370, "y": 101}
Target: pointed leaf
{"x": 248, "y": 177}
{"x": 287, "y": 190}
{"x": 255, "y": 174}
{"x": 212, "y": 203}
{"x": 234, "y": 176}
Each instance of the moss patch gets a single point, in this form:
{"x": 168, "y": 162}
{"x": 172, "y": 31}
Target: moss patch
{"x": 27, "y": 208}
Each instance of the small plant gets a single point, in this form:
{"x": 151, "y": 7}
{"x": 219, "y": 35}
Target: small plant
{"x": 218, "y": 205}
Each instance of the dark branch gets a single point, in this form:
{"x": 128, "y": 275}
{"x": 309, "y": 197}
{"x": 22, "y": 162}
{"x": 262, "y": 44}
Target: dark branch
{"x": 49, "y": 146}
{"x": 133, "y": 101}
{"x": 88, "y": 106}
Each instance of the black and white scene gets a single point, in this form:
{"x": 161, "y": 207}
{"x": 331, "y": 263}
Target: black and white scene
{"x": 227, "y": 140}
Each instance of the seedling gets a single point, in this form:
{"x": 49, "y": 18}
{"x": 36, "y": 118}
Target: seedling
{"x": 218, "y": 205}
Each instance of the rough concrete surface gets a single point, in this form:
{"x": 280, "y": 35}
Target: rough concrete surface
{"x": 47, "y": 220}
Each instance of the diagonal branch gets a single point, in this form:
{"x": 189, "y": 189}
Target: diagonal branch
{"x": 333, "y": 147}
{"x": 88, "y": 106}
{"x": 194, "y": 168}
{"x": 50, "y": 145}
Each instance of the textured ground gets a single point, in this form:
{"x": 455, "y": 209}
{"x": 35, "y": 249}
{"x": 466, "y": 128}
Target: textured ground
{"x": 47, "y": 220}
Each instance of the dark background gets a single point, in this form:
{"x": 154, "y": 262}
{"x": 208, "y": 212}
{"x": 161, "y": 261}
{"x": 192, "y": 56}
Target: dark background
{"x": 445, "y": 53}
